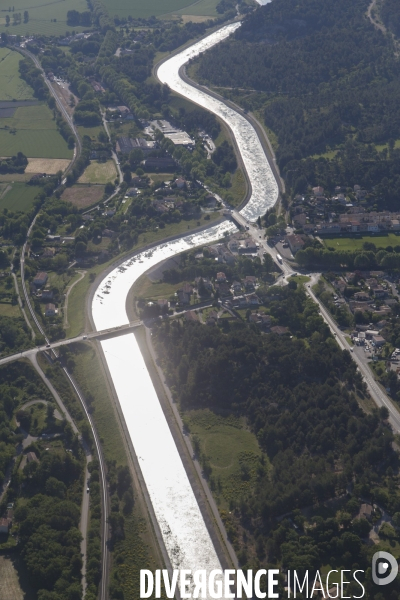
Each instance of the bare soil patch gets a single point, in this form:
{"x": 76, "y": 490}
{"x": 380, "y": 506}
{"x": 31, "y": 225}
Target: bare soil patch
{"x": 9, "y": 584}
{"x": 46, "y": 165}
{"x": 83, "y": 196}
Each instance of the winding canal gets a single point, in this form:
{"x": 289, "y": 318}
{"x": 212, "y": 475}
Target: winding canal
{"x": 185, "y": 535}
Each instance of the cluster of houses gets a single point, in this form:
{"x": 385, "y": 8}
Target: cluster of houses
{"x": 39, "y": 281}
{"x": 373, "y": 295}
{"x": 341, "y": 213}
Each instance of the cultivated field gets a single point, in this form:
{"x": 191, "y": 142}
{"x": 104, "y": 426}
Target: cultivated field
{"x": 49, "y": 18}
{"x": 83, "y": 196}
{"x": 9, "y": 585}
{"x": 99, "y": 173}
{"x": 32, "y": 130}
{"x": 17, "y": 196}
{"x": 12, "y": 87}
{"x": 380, "y": 241}
{"x": 50, "y": 166}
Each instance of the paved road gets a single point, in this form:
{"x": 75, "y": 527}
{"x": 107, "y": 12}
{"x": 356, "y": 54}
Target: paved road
{"x": 59, "y": 104}
{"x": 377, "y": 394}
{"x": 54, "y": 345}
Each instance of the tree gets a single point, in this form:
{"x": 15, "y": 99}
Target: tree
{"x": 26, "y": 16}
{"x": 361, "y": 261}
{"x": 80, "y": 248}
{"x": 7, "y": 20}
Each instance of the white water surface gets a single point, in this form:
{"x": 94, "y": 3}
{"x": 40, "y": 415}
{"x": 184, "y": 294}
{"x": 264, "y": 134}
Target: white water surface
{"x": 184, "y": 532}
{"x": 263, "y": 183}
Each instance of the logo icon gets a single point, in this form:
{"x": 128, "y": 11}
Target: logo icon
{"x": 384, "y": 568}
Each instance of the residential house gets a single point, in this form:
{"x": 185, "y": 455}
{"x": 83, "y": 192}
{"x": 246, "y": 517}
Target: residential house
{"x": 361, "y": 297}
{"x": 31, "y": 457}
{"x": 206, "y": 282}
{"x": 239, "y": 301}
{"x": 295, "y": 242}
{"x": 183, "y": 298}
{"x": 187, "y": 288}
{"x": 221, "y": 277}
{"x": 163, "y": 304}
{"x": 191, "y": 316}
{"x": 180, "y": 183}
{"x": 279, "y": 330}
{"x": 50, "y": 310}
{"x": 318, "y": 191}
{"x": 379, "y": 292}
{"x": 40, "y": 279}
{"x": 108, "y": 233}
{"x": 223, "y": 288}
{"x": 212, "y": 318}
{"x": 47, "y": 295}
{"x": 4, "y": 525}
{"x": 236, "y": 287}
{"x": 250, "y": 282}
{"x": 247, "y": 247}
{"x": 378, "y": 341}
{"x": 299, "y": 220}
{"x": 253, "y": 300}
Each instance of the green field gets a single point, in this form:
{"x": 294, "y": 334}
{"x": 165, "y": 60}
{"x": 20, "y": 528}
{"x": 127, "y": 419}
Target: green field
{"x": 48, "y": 18}
{"x": 231, "y": 449}
{"x": 92, "y": 132}
{"x": 380, "y": 241}
{"x": 32, "y": 130}
{"x": 99, "y": 173}
{"x": 11, "y": 86}
{"x": 147, "y": 8}
{"x": 202, "y": 8}
{"x": 17, "y": 196}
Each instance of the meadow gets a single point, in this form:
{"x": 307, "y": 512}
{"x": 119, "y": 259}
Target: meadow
{"x": 12, "y": 87}
{"x": 17, "y": 196}
{"x": 48, "y": 18}
{"x": 83, "y": 196}
{"x": 147, "y": 8}
{"x": 32, "y": 130}
{"x": 99, "y": 173}
{"x": 356, "y": 243}
{"x": 203, "y": 8}
{"x": 229, "y": 448}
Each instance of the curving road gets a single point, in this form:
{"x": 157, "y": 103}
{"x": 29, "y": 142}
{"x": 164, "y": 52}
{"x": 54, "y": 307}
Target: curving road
{"x": 33, "y": 357}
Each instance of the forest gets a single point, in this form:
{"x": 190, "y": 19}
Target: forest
{"x": 46, "y": 492}
{"x": 300, "y": 396}
{"x": 330, "y": 81}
